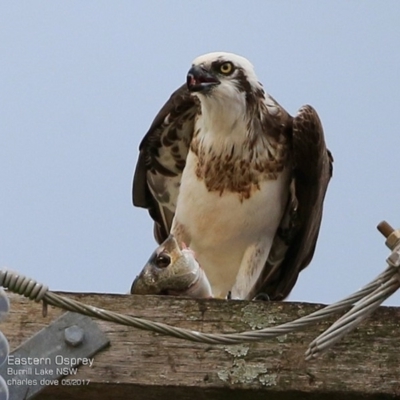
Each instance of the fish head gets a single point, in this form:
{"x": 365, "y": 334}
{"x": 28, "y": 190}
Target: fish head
{"x": 169, "y": 270}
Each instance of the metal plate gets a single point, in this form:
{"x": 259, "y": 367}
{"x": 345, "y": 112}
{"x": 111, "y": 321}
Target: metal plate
{"x": 52, "y": 353}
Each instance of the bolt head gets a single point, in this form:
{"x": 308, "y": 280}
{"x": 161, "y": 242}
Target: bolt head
{"x": 73, "y": 335}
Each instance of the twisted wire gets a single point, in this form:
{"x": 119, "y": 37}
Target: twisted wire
{"x": 369, "y": 298}
{"x": 349, "y": 321}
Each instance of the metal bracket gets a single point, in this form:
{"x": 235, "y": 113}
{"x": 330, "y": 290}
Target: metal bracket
{"x": 54, "y": 352}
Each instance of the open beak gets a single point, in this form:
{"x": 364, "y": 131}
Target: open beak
{"x": 199, "y": 79}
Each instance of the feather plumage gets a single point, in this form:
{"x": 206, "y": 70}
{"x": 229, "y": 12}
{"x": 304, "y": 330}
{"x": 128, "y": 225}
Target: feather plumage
{"x": 231, "y": 173}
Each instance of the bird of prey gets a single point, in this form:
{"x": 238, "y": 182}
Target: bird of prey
{"x": 229, "y": 172}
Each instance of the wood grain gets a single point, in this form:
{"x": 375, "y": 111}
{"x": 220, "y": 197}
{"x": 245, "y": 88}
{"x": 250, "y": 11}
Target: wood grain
{"x": 143, "y": 365}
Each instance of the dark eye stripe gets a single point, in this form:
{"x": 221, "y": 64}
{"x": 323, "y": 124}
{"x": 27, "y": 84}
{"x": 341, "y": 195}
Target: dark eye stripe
{"x": 216, "y": 65}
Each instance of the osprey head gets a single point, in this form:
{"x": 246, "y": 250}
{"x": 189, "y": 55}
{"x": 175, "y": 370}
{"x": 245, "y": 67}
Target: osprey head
{"x": 223, "y": 73}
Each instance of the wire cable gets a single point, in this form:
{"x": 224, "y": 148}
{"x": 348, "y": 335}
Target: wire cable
{"x": 372, "y": 295}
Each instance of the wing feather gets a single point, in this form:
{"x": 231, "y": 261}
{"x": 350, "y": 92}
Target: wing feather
{"x": 294, "y": 244}
{"x": 161, "y": 161}
{"x": 162, "y": 157}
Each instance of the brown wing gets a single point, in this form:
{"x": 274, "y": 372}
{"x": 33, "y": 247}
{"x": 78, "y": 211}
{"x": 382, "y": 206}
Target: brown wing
{"x": 294, "y": 244}
{"x": 162, "y": 158}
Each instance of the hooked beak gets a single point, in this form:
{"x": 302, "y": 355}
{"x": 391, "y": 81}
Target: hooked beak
{"x": 199, "y": 79}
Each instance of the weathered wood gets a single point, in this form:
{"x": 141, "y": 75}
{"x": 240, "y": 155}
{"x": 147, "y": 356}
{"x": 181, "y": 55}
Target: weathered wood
{"x": 142, "y": 365}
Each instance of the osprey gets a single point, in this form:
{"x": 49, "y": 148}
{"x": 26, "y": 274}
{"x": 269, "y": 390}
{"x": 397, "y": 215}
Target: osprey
{"x": 230, "y": 173}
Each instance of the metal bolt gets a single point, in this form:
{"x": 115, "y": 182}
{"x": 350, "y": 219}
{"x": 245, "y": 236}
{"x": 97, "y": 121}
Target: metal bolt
{"x": 392, "y": 236}
{"x": 73, "y": 335}
{"x": 393, "y": 240}
{"x": 394, "y": 258}
{"x": 385, "y": 228}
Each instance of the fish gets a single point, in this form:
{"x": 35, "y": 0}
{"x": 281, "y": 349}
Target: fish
{"x": 172, "y": 270}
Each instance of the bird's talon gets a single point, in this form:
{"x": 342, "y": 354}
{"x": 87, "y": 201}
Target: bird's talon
{"x": 262, "y": 297}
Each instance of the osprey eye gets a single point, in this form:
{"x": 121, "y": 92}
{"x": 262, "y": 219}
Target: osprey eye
{"x": 163, "y": 260}
{"x": 226, "y": 68}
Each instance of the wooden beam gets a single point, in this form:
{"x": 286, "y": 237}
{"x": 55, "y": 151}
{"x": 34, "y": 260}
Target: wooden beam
{"x": 143, "y": 365}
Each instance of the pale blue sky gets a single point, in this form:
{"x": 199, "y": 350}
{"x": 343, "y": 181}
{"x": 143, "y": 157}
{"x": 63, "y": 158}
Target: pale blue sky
{"x": 80, "y": 83}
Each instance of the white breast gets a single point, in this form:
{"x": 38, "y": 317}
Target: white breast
{"x": 220, "y": 227}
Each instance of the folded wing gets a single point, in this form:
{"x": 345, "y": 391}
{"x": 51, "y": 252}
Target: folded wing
{"x": 162, "y": 158}
{"x": 295, "y": 241}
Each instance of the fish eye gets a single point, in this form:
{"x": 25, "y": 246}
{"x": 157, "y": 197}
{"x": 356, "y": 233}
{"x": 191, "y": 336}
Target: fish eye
{"x": 226, "y": 68}
{"x": 163, "y": 260}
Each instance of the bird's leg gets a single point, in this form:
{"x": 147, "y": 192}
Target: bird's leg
{"x": 252, "y": 264}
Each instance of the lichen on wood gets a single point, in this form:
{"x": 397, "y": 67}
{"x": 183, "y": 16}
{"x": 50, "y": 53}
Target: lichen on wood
{"x": 145, "y": 365}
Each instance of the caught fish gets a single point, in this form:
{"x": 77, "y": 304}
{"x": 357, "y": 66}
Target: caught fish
{"x": 172, "y": 270}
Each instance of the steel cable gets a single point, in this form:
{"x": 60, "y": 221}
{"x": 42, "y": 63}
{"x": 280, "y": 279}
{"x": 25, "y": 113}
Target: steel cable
{"x": 366, "y": 299}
